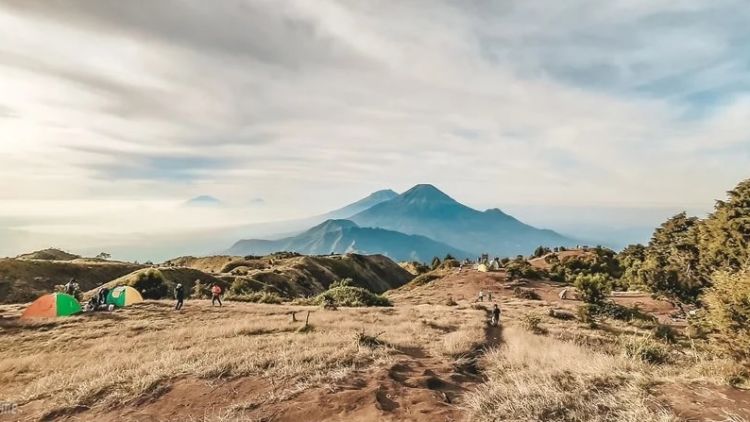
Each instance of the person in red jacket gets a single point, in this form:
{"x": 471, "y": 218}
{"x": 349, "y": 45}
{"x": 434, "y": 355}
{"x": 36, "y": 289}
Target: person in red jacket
{"x": 215, "y": 294}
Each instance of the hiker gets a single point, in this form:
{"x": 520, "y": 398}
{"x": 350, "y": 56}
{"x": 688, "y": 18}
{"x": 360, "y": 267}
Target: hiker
{"x": 489, "y": 296}
{"x": 179, "y": 294}
{"x": 481, "y": 296}
{"x": 495, "y": 316}
{"x": 102, "y": 295}
{"x": 70, "y": 287}
{"x": 215, "y": 294}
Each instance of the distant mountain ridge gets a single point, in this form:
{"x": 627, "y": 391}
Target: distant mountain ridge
{"x": 427, "y": 211}
{"x": 345, "y": 236}
{"x": 418, "y": 224}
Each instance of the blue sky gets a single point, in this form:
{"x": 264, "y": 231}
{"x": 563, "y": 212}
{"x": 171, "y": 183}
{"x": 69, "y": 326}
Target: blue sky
{"x": 109, "y": 107}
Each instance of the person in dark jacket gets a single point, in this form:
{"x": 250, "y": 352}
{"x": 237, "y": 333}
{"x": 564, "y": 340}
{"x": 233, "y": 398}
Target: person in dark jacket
{"x": 179, "y": 295}
{"x": 495, "y": 315}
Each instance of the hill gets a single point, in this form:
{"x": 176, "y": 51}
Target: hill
{"x": 23, "y": 280}
{"x": 425, "y": 210}
{"x": 292, "y": 275}
{"x": 50, "y": 254}
{"x": 344, "y": 236}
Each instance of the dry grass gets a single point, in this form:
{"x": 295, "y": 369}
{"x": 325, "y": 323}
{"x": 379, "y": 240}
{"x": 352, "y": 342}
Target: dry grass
{"x": 108, "y": 360}
{"x": 535, "y": 378}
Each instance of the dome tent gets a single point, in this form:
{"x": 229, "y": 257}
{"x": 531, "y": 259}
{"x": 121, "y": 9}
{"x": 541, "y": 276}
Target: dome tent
{"x": 122, "y": 296}
{"x": 52, "y": 305}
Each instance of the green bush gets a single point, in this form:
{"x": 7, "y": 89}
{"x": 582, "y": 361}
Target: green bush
{"x": 594, "y": 288}
{"x": 646, "y": 349}
{"x": 351, "y": 296}
{"x": 150, "y": 284}
{"x": 587, "y": 315}
{"x": 728, "y": 311}
{"x": 200, "y": 290}
{"x": 520, "y": 268}
{"x": 532, "y": 322}
{"x": 345, "y": 282}
{"x": 256, "y": 297}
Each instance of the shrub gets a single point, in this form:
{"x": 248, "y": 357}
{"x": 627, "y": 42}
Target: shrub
{"x": 646, "y": 349}
{"x": 522, "y": 293}
{"x": 450, "y": 301}
{"x": 728, "y": 312}
{"x": 344, "y": 282}
{"x": 150, "y": 284}
{"x": 351, "y": 296}
{"x": 256, "y": 297}
{"x": 594, "y": 288}
{"x": 532, "y": 322}
{"x": 586, "y": 315}
{"x": 665, "y": 333}
{"x": 200, "y": 290}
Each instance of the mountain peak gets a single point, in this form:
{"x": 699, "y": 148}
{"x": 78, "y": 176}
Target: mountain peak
{"x": 382, "y": 195}
{"x": 426, "y": 192}
{"x": 204, "y": 201}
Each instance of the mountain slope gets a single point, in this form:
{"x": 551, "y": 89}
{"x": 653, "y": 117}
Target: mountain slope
{"x": 344, "y": 236}
{"x": 427, "y": 211}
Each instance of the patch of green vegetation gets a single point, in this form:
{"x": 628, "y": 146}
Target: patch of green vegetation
{"x": 350, "y": 296}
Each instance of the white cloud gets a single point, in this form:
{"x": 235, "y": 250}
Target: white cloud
{"x": 632, "y": 103}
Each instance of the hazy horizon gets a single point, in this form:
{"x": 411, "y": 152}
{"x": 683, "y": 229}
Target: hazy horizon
{"x": 594, "y": 119}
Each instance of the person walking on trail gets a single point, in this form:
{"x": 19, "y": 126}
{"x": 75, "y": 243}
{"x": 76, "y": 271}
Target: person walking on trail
{"x": 215, "y": 295}
{"x": 495, "y": 316}
{"x": 179, "y": 295}
{"x": 481, "y": 296}
{"x": 489, "y": 296}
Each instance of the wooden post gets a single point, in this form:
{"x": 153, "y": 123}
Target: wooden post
{"x": 294, "y": 318}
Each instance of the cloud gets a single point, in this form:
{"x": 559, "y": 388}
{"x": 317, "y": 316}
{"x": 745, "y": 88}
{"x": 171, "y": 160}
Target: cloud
{"x": 626, "y": 102}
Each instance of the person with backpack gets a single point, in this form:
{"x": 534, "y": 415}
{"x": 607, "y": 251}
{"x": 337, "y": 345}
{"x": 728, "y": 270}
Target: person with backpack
{"x": 215, "y": 294}
{"x": 179, "y": 295}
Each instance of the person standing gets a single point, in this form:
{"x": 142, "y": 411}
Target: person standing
{"x": 215, "y": 294}
{"x": 495, "y": 316}
{"x": 179, "y": 295}
{"x": 481, "y": 296}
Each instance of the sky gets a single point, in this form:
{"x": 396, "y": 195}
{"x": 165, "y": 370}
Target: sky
{"x": 569, "y": 115}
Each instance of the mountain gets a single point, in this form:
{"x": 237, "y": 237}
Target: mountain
{"x": 344, "y": 236}
{"x": 203, "y": 201}
{"x": 425, "y": 210}
{"x": 359, "y": 206}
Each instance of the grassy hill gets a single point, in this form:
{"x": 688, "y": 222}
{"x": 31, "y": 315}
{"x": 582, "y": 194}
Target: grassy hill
{"x": 291, "y": 275}
{"x": 23, "y": 280}
{"x": 50, "y": 254}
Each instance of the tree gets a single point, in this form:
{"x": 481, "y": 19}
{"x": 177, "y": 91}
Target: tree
{"x": 728, "y": 311}
{"x": 670, "y": 267}
{"x": 541, "y": 251}
{"x": 449, "y": 257}
{"x": 435, "y": 263}
{"x": 593, "y": 288}
{"x": 104, "y": 255}
{"x": 631, "y": 263}
{"x": 724, "y": 236}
